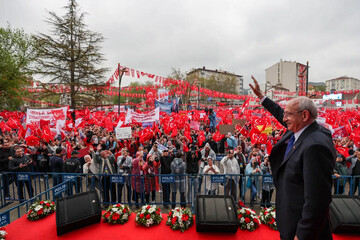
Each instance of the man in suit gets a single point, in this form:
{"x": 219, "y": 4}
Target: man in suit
{"x": 302, "y": 164}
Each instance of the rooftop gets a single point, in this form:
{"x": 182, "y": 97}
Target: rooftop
{"x": 213, "y": 71}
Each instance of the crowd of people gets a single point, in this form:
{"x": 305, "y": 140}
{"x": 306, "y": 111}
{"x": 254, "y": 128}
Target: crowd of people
{"x": 95, "y": 150}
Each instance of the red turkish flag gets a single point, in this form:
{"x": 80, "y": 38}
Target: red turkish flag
{"x": 254, "y": 135}
{"x": 69, "y": 149}
{"x": 21, "y": 132}
{"x": 4, "y": 127}
{"x": 150, "y": 94}
{"x": 32, "y": 140}
{"x": 244, "y": 132}
{"x": 13, "y": 123}
{"x": 343, "y": 150}
{"x": 188, "y": 136}
{"x": 201, "y": 138}
{"x": 58, "y": 114}
{"x": 262, "y": 138}
{"x": 185, "y": 147}
{"x": 217, "y": 136}
{"x": 174, "y": 132}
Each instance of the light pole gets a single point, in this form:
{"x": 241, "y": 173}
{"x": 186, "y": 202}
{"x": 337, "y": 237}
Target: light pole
{"x": 121, "y": 73}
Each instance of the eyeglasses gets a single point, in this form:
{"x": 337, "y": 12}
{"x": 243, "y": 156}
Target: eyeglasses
{"x": 290, "y": 114}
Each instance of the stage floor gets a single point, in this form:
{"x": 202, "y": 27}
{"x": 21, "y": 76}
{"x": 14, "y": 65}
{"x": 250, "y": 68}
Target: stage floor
{"x": 46, "y": 229}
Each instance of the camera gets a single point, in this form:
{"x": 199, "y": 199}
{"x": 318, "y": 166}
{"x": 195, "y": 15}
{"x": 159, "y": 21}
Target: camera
{"x": 256, "y": 164}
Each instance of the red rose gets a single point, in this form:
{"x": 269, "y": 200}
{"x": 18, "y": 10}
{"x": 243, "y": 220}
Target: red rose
{"x": 266, "y": 212}
{"x": 241, "y": 204}
{"x": 170, "y": 213}
{"x": 124, "y": 210}
{"x": 115, "y": 216}
{"x": 256, "y": 221}
{"x": 272, "y": 221}
{"x": 185, "y": 217}
{"x": 148, "y": 207}
{"x": 118, "y": 205}
{"x": 40, "y": 212}
{"x": 48, "y": 204}
{"x": 247, "y": 212}
{"x": 42, "y": 202}
{"x": 107, "y": 214}
{"x": 173, "y": 220}
{"x": 178, "y": 210}
{"x": 141, "y": 215}
{"x": 148, "y": 216}
{"x": 158, "y": 212}
{"x": 2, "y": 229}
{"x": 52, "y": 203}
{"x": 239, "y": 216}
{"x": 247, "y": 220}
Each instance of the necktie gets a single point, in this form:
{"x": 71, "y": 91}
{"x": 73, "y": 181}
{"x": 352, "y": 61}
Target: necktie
{"x": 290, "y": 144}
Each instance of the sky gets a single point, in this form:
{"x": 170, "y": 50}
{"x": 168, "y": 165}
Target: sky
{"x": 240, "y": 36}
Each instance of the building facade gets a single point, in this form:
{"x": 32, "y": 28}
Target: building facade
{"x": 220, "y": 75}
{"x": 287, "y": 75}
{"x": 342, "y": 84}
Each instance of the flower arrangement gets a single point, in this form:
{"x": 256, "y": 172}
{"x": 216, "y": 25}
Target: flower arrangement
{"x": 248, "y": 219}
{"x": 148, "y": 216}
{"x": 40, "y": 209}
{"x": 117, "y": 213}
{"x": 180, "y": 219}
{"x": 2, "y": 233}
{"x": 268, "y": 217}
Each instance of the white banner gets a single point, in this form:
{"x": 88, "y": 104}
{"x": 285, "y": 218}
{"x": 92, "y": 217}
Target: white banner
{"x": 52, "y": 115}
{"x": 123, "y": 133}
{"x": 151, "y": 116}
{"x": 116, "y": 108}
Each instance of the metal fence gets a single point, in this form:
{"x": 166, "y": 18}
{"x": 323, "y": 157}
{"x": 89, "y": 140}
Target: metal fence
{"x": 135, "y": 190}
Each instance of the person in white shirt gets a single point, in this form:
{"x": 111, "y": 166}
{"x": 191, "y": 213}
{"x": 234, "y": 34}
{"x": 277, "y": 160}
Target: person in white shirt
{"x": 210, "y": 168}
{"x": 124, "y": 163}
{"x": 91, "y": 167}
{"x": 231, "y": 167}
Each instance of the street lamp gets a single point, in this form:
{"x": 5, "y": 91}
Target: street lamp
{"x": 121, "y": 73}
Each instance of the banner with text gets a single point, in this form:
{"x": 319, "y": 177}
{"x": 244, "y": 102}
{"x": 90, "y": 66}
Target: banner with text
{"x": 52, "y": 115}
{"x": 151, "y": 116}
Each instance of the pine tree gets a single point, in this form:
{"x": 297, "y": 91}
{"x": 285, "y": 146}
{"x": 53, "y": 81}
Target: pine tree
{"x": 70, "y": 55}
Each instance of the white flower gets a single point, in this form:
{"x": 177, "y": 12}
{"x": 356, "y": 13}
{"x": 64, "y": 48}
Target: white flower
{"x": 151, "y": 210}
{"x": 137, "y": 218}
{"x": 38, "y": 207}
{"x": 242, "y": 220}
{"x": 248, "y": 226}
{"x": 251, "y": 224}
{"x": 2, "y": 233}
{"x": 114, "y": 209}
{"x": 125, "y": 216}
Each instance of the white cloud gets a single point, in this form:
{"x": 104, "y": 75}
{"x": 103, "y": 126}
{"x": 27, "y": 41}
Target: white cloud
{"x": 244, "y": 37}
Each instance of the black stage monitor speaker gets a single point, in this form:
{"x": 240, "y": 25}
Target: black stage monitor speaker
{"x": 345, "y": 214}
{"x": 77, "y": 211}
{"x": 216, "y": 214}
